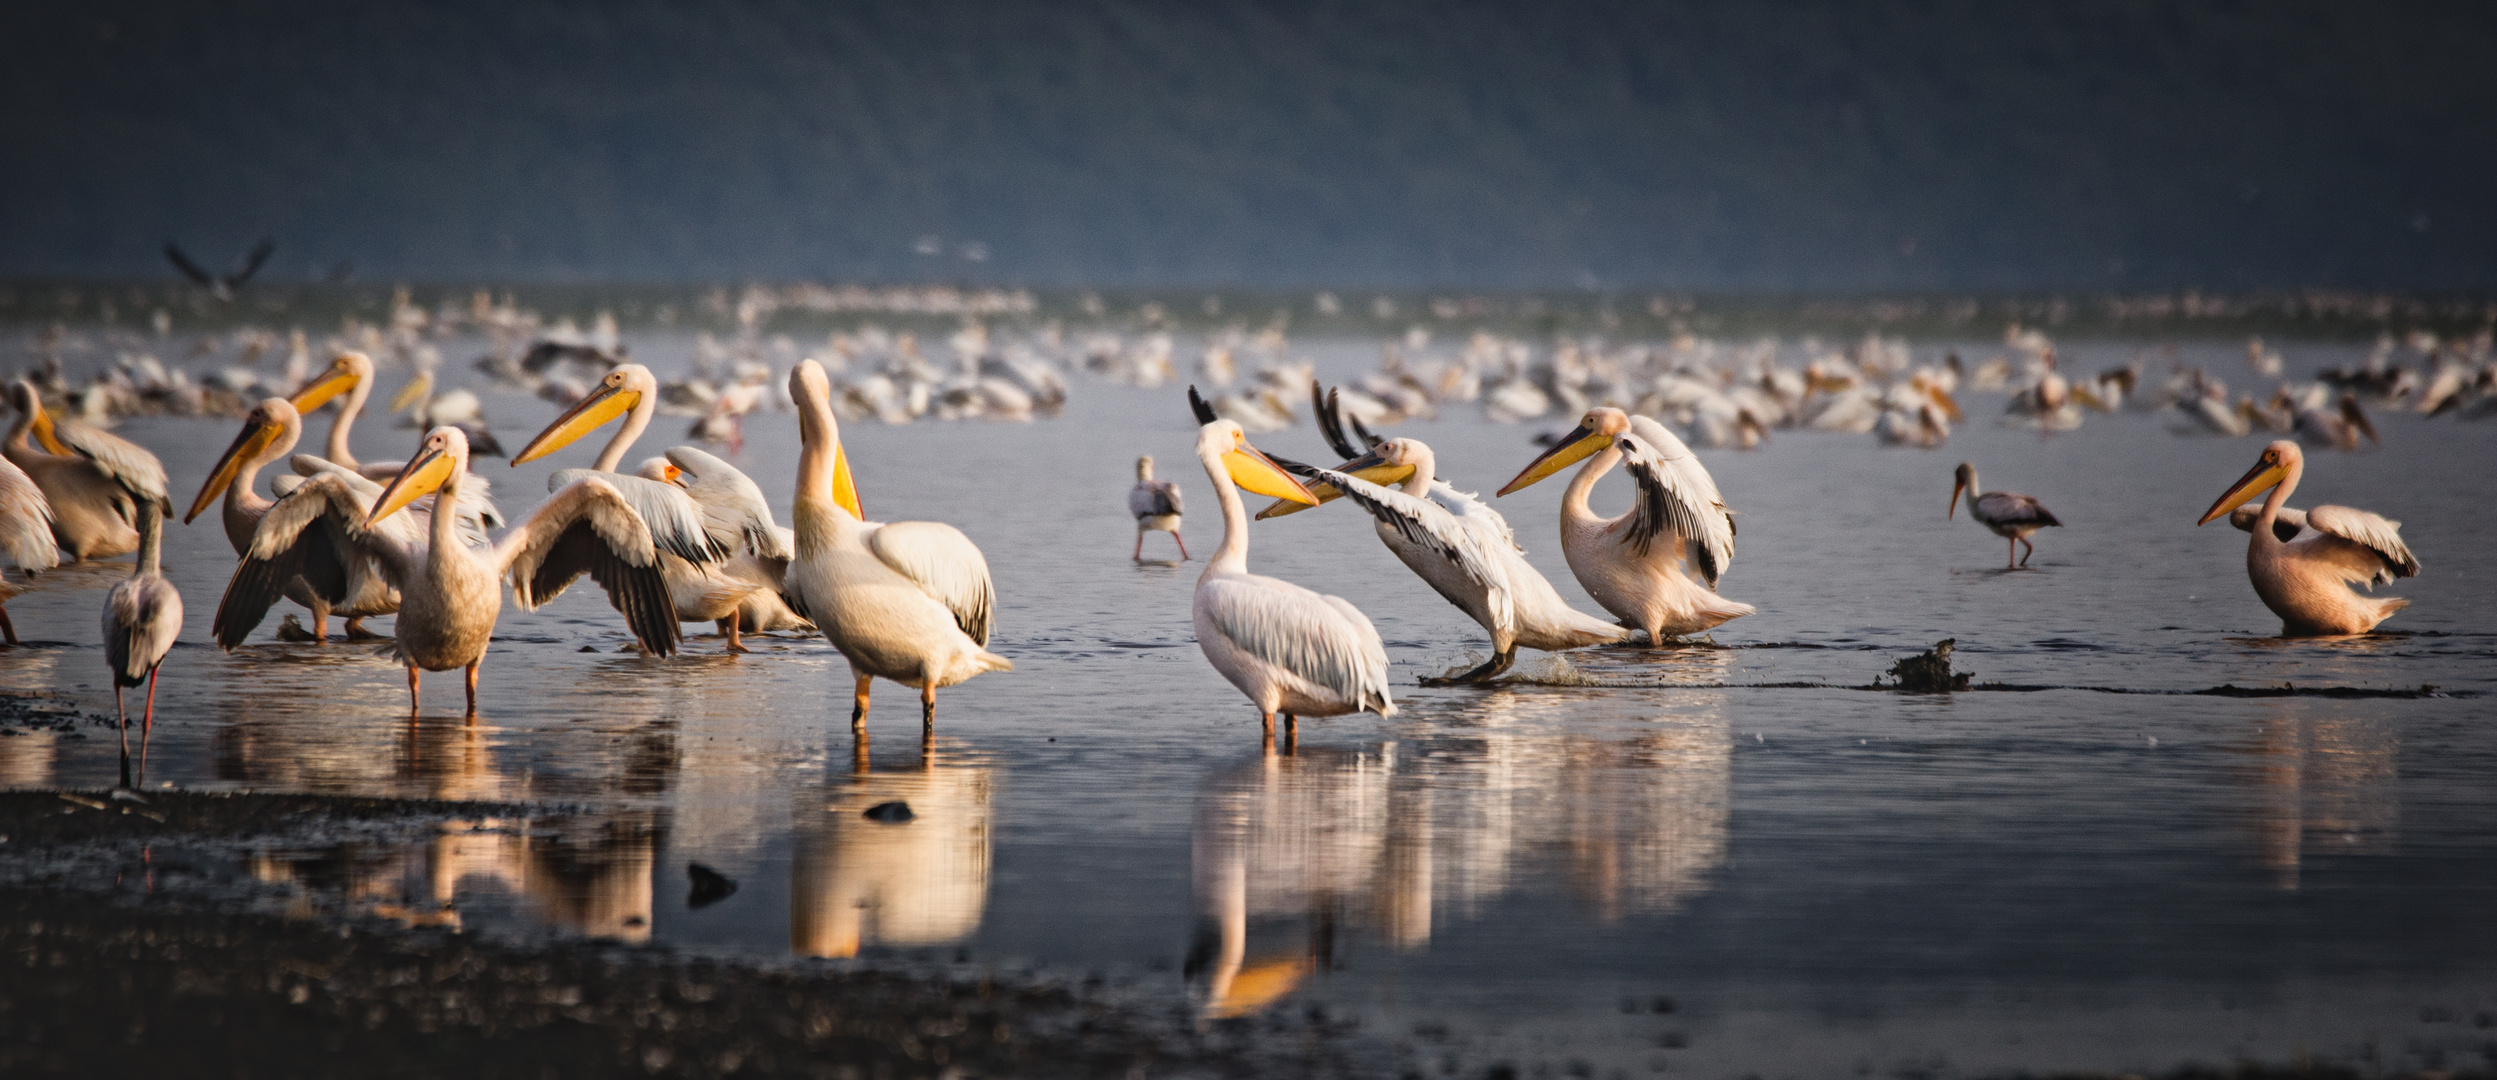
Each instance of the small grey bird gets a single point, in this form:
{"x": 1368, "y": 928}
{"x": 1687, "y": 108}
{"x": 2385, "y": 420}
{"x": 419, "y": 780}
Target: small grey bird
{"x": 1156, "y": 506}
{"x": 142, "y": 617}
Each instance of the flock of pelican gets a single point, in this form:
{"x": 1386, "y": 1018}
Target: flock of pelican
{"x": 686, "y": 537}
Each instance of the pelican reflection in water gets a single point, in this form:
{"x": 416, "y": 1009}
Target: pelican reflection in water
{"x": 1395, "y": 838}
{"x": 2324, "y": 785}
{"x": 897, "y": 857}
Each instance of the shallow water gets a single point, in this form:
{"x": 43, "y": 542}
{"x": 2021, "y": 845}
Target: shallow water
{"x": 1629, "y": 859}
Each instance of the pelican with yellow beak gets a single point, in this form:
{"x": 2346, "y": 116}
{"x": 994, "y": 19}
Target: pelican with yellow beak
{"x": 1640, "y": 566}
{"x": 746, "y": 587}
{"x": 910, "y": 601}
{"x": 450, "y": 592}
{"x": 269, "y": 433}
{"x": 96, "y": 483}
{"x": 2306, "y": 581}
{"x": 1291, "y": 650}
{"x": 351, "y": 373}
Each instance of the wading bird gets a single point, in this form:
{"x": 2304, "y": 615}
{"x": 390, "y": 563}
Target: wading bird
{"x": 747, "y": 584}
{"x": 1291, "y": 650}
{"x": 269, "y": 433}
{"x": 449, "y": 592}
{"x": 909, "y": 601}
{"x": 2012, "y": 517}
{"x": 2307, "y": 581}
{"x": 97, "y": 484}
{"x": 142, "y": 617}
{"x": 1639, "y": 565}
{"x": 25, "y": 534}
{"x": 1156, "y": 506}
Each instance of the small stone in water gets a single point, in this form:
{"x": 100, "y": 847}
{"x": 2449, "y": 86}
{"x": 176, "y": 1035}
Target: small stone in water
{"x": 890, "y": 813}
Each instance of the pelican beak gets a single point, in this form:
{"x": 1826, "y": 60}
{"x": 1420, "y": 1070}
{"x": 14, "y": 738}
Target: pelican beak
{"x": 1370, "y": 467}
{"x": 1580, "y": 444}
{"x": 1958, "y": 486}
{"x": 1256, "y": 472}
{"x": 422, "y": 477}
{"x": 413, "y": 392}
{"x": 50, "y": 439}
{"x": 256, "y": 437}
{"x": 318, "y": 392}
{"x": 844, "y": 485}
{"x": 585, "y": 416}
{"x": 675, "y": 475}
{"x": 2258, "y": 480}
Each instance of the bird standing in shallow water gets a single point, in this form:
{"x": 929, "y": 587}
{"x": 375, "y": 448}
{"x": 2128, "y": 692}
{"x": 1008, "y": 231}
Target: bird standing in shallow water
{"x": 1156, "y": 506}
{"x": 142, "y": 617}
{"x": 25, "y": 534}
{"x": 2307, "y": 581}
{"x": 2013, "y": 517}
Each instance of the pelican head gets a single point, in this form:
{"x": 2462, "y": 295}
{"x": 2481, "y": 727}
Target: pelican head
{"x": 345, "y": 372}
{"x": 444, "y": 452}
{"x": 1965, "y": 479}
{"x": 661, "y": 470}
{"x": 619, "y": 393}
{"x": 30, "y": 402}
{"x": 414, "y": 393}
{"x": 2281, "y": 459}
{"x": 272, "y": 422}
{"x": 1388, "y": 464}
{"x": 1144, "y": 468}
{"x": 1223, "y": 441}
{"x": 812, "y": 389}
{"x": 1594, "y": 434}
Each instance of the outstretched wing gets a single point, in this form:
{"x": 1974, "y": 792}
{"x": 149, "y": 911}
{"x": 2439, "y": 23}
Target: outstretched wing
{"x": 2378, "y": 538}
{"x": 189, "y": 269}
{"x": 126, "y": 462}
{"x": 25, "y": 521}
{"x": 1677, "y": 499}
{"x": 311, "y": 533}
{"x": 589, "y": 527}
{"x": 732, "y": 505}
{"x": 1321, "y": 639}
{"x": 252, "y": 263}
{"x": 2287, "y": 526}
{"x": 674, "y": 520}
{"x": 945, "y": 564}
{"x": 1426, "y": 524}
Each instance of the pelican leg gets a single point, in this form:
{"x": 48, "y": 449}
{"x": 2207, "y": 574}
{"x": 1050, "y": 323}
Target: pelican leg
{"x": 729, "y": 629}
{"x": 858, "y": 709}
{"x": 927, "y": 706}
{"x": 320, "y": 624}
{"x": 6, "y": 627}
{"x": 147, "y": 725}
{"x": 1183, "y": 546}
{"x": 121, "y": 723}
{"x": 411, "y": 688}
{"x": 472, "y": 685}
{"x": 1266, "y": 741}
{"x": 1483, "y": 672}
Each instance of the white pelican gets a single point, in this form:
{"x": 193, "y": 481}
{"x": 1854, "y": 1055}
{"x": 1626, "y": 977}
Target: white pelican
{"x": 909, "y": 601}
{"x": 269, "y": 432}
{"x": 2012, "y": 517}
{"x": 700, "y": 535}
{"x": 1291, "y": 650}
{"x": 1465, "y": 551}
{"x": 725, "y": 593}
{"x": 1156, "y": 506}
{"x": 349, "y": 373}
{"x": 450, "y": 593}
{"x": 1639, "y": 565}
{"x": 25, "y": 534}
{"x": 142, "y": 617}
{"x": 2307, "y": 581}
{"x": 97, "y": 484}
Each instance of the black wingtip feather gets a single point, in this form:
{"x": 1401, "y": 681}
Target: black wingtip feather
{"x": 1204, "y": 412}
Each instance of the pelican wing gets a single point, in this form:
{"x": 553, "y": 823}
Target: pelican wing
{"x": 732, "y": 506}
{"x": 1427, "y": 524}
{"x": 591, "y": 527}
{"x": 1469, "y": 509}
{"x": 1677, "y": 498}
{"x": 311, "y": 533}
{"x": 2286, "y": 526}
{"x": 945, "y": 564}
{"x": 1153, "y": 498}
{"x": 25, "y": 521}
{"x": 674, "y": 519}
{"x": 2384, "y": 555}
{"x": 1322, "y": 639}
{"x": 128, "y": 463}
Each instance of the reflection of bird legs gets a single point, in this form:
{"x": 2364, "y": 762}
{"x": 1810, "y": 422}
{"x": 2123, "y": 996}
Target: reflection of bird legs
{"x": 730, "y": 628}
{"x": 147, "y": 725}
{"x": 927, "y": 708}
{"x": 1483, "y": 672}
{"x": 6, "y": 627}
{"x": 1291, "y": 733}
{"x": 858, "y": 751}
{"x": 472, "y": 685}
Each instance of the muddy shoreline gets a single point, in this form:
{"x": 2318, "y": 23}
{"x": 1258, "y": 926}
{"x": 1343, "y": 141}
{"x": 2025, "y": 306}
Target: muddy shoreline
{"x": 115, "y": 959}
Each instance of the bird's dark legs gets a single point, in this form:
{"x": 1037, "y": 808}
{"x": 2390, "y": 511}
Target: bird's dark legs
{"x": 927, "y": 706}
{"x": 6, "y": 627}
{"x": 472, "y": 684}
{"x": 1498, "y": 663}
{"x": 858, "y": 709}
{"x": 411, "y": 688}
{"x": 2031, "y": 549}
{"x": 121, "y": 717}
{"x": 730, "y": 629}
{"x": 147, "y": 726}
{"x": 1183, "y": 546}
{"x": 1291, "y": 734}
